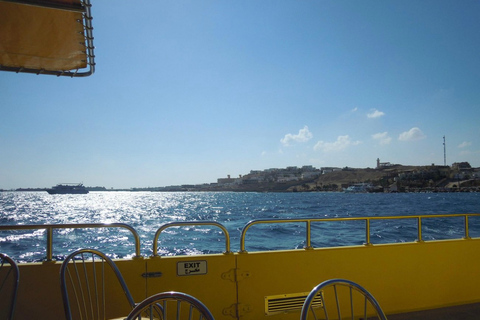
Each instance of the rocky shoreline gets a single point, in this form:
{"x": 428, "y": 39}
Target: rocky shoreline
{"x": 393, "y": 178}
{"x": 396, "y": 178}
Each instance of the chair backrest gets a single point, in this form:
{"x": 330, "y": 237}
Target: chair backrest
{"x": 9, "y": 278}
{"x": 170, "y": 305}
{"x": 89, "y": 279}
{"x": 325, "y": 299}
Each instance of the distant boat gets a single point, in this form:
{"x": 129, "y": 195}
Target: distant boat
{"x": 359, "y": 188}
{"x": 68, "y": 188}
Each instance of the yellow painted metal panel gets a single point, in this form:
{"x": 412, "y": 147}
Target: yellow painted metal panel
{"x": 215, "y": 286}
{"x": 131, "y": 271}
{"x": 39, "y": 294}
{"x": 402, "y": 277}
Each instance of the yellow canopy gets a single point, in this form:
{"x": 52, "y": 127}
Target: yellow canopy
{"x": 46, "y": 37}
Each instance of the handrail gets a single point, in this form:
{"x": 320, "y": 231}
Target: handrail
{"x": 50, "y": 227}
{"x": 367, "y": 220}
{"x": 308, "y": 221}
{"x": 191, "y": 223}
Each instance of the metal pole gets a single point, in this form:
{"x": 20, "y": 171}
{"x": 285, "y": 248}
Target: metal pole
{"x": 419, "y": 230}
{"x": 467, "y": 232}
{"x": 309, "y": 235}
{"x": 367, "y": 230}
{"x": 444, "y": 152}
{"x": 49, "y": 243}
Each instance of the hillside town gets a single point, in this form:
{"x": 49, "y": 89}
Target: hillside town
{"x": 385, "y": 177}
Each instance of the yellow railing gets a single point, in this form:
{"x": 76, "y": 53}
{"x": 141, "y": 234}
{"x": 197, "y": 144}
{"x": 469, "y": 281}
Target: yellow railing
{"x": 51, "y": 227}
{"x": 308, "y": 224}
{"x": 191, "y": 223}
{"x": 367, "y": 220}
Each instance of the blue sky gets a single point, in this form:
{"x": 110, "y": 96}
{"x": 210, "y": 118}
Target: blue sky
{"x": 191, "y": 91}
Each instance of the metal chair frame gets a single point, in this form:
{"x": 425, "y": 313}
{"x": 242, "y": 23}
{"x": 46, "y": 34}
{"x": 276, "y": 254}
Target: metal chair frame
{"x": 156, "y": 307}
{"x": 13, "y": 272}
{"x": 319, "y": 290}
{"x": 87, "y": 288}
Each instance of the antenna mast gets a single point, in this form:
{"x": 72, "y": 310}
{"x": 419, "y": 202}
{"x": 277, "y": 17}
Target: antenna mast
{"x": 444, "y": 153}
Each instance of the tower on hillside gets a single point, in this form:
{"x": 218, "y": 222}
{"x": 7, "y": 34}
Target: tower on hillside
{"x": 444, "y": 152}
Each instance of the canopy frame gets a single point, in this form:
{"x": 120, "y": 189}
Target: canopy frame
{"x": 82, "y": 7}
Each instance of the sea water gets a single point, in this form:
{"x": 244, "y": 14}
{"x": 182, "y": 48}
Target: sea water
{"x": 146, "y": 212}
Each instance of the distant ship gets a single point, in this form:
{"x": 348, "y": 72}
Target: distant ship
{"x": 68, "y": 188}
{"x": 359, "y": 188}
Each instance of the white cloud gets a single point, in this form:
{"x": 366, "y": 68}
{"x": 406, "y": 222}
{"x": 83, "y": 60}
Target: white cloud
{"x": 303, "y": 136}
{"x": 464, "y": 144}
{"x": 469, "y": 153}
{"x": 413, "y": 134}
{"x": 341, "y": 143}
{"x": 375, "y": 114}
{"x": 354, "y": 110}
{"x": 382, "y": 138}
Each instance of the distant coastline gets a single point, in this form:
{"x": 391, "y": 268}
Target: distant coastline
{"x": 460, "y": 177}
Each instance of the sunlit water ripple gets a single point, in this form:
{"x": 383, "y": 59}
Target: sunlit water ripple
{"x": 146, "y": 212}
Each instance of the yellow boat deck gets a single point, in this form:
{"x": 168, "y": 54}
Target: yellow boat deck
{"x": 463, "y": 312}
{"x": 414, "y": 280}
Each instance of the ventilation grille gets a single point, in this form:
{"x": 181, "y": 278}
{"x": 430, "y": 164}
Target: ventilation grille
{"x": 288, "y": 302}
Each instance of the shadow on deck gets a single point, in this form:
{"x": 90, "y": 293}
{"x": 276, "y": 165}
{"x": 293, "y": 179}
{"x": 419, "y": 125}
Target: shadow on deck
{"x": 463, "y": 312}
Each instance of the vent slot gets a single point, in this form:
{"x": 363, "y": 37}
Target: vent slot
{"x": 291, "y": 302}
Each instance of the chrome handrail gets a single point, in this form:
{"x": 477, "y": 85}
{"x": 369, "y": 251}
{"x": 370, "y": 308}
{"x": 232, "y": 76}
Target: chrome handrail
{"x": 367, "y": 220}
{"x": 191, "y": 223}
{"x": 51, "y": 227}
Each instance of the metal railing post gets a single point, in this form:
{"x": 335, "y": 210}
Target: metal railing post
{"x": 49, "y": 244}
{"x": 467, "y": 231}
{"x": 419, "y": 231}
{"x": 308, "y": 245}
{"x": 367, "y": 230}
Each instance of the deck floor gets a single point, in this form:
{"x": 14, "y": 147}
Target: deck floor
{"x": 463, "y": 312}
